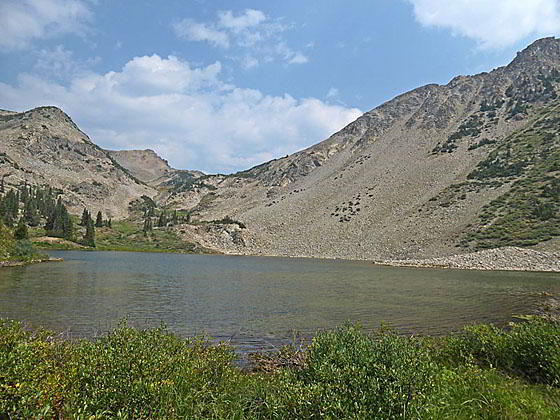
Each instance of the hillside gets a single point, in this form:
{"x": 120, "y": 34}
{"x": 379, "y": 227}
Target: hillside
{"x": 438, "y": 171}
{"x": 404, "y": 180}
{"x": 43, "y": 146}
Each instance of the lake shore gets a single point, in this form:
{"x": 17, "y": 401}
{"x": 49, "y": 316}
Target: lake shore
{"x": 13, "y": 263}
{"x": 499, "y": 259}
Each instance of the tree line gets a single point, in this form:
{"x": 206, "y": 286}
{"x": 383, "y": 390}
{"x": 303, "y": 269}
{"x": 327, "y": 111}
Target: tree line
{"x": 30, "y": 205}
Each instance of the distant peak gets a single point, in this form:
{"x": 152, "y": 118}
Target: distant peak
{"x": 542, "y": 50}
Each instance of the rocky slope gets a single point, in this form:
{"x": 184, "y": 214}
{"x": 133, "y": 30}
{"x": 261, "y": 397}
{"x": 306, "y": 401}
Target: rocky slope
{"x": 392, "y": 183}
{"x": 44, "y": 147}
{"x": 150, "y": 168}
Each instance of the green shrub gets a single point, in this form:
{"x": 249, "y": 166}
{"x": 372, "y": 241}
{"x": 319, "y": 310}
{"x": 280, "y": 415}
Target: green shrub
{"x": 530, "y": 349}
{"x": 345, "y": 374}
{"x": 368, "y": 376}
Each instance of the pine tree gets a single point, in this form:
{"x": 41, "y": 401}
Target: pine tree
{"x": 108, "y": 223}
{"x": 175, "y": 218}
{"x": 162, "y": 220}
{"x": 24, "y": 196}
{"x": 31, "y": 214}
{"x": 85, "y": 218}
{"x": 89, "y": 237}
{"x": 59, "y": 223}
{"x": 67, "y": 225}
{"x": 99, "y": 220}
{"x": 147, "y": 226}
{"x": 21, "y": 231}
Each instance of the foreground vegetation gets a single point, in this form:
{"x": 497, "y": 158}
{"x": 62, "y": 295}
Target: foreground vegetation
{"x": 484, "y": 372}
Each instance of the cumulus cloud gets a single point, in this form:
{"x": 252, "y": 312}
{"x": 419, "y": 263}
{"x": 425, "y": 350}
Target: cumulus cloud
{"x": 22, "y": 21}
{"x": 186, "y": 113}
{"x": 254, "y": 37}
{"x": 494, "y": 24}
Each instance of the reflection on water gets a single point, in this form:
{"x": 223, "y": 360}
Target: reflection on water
{"x": 254, "y": 301}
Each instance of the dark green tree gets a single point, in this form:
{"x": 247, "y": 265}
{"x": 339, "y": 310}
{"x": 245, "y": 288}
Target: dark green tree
{"x": 89, "y": 237}
{"x": 99, "y": 220}
{"x": 148, "y": 226}
{"x": 59, "y": 223}
{"x": 162, "y": 220}
{"x": 86, "y": 217}
{"x": 31, "y": 214}
{"x": 21, "y": 231}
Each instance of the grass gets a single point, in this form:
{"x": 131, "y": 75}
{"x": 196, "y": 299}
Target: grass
{"x": 345, "y": 373}
{"x": 129, "y": 236}
{"x": 126, "y": 235}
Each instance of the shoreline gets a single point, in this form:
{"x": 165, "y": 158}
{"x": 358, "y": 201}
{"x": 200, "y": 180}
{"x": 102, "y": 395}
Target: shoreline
{"x": 514, "y": 259}
{"x": 12, "y": 263}
{"x": 497, "y": 259}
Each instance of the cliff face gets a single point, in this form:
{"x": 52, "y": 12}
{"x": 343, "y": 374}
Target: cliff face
{"x": 44, "y": 147}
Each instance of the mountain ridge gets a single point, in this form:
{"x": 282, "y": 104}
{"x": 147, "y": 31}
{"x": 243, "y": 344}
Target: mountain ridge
{"x": 397, "y": 183}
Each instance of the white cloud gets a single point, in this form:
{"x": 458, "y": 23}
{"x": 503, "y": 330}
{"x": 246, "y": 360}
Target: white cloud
{"x": 298, "y": 58}
{"x": 195, "y": 31}
{"x": 333, "y": 93}
{"x": 58, "y": 63}
{"x": 22, "y": 21}
{"x": 495, "y": 23}
{"x": 253, "y": 37}
{"x": 247, "y": 19}
{"x": 186, "y": 113}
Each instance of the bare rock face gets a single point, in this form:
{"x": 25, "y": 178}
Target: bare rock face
{"x": 43, "y": 146}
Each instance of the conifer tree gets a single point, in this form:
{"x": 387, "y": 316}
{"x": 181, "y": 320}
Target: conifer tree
{"x": 99, "y": 220}
{"x": 89, "y": 237}
{"x": 147, "y": 226}
{"x": 85, "y": 218}
{"x": 21, "y": 231}
{"x": 30, "y": 213}
{"x": 162, "y": 220}
{"x": 67, "y": 225}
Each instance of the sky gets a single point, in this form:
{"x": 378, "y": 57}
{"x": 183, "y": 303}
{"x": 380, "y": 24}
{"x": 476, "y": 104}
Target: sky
{"x": 221, "y": 86}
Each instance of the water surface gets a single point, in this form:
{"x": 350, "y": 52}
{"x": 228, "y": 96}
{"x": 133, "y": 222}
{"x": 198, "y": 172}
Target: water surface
{"x": 256, "y": 301}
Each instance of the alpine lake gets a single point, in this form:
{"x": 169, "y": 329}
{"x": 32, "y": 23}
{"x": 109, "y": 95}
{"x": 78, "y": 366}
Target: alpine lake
{"x": 258, "y": 303}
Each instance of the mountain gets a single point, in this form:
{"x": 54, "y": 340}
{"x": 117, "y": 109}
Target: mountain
{"x": 437, "y": 171}
{"x": 44, "y": 146}
{"x": 433, "y": 172}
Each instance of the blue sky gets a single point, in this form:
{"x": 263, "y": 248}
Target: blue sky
{"x": 224, "y": 85}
